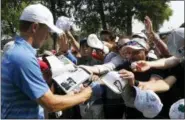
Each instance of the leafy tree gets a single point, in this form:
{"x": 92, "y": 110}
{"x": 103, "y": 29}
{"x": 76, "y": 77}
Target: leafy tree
{"x": 92, "y": 15}
{"x": 118, "y": 14}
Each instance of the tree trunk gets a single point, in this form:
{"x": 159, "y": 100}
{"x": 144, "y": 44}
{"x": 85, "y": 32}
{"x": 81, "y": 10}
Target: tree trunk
{"x": 53, "y": 10}
{"x": 102, "y": 15}
{"x": 129, "y": 21}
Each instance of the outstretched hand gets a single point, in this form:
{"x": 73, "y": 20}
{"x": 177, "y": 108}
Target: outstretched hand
{"x": 127, "y": 75}
{"x": 142, "y": 66}
{"x": 148, "y": 25}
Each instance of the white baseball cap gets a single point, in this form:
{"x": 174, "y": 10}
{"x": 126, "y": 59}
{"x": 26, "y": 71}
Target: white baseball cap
{"x": 140, "y": 35}
{"x": 176, "y": 42}
{"x": 137, "y": 44}
{"x": 114, "y": 82}
{"x": 94, "y": 42}
{"x": 64, "y": 23}
{"x": 145, "y": 101}
{"x": 40, "y": 14}
{"x": 177, "y": 110}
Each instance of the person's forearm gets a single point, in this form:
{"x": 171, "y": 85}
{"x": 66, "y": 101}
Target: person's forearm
{"x": 62, "y": 102}
{"x": 160, "y": 44}
{"x": 100, "y": 69}
{"x": 164, "y": 63}
{"x": 158, "y": 86}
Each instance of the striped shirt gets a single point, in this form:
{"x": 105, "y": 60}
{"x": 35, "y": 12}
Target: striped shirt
{"x": 21, "y": 83}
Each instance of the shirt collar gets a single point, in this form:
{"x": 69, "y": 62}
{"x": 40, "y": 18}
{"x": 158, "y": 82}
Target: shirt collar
{"x": 20, "y": 40}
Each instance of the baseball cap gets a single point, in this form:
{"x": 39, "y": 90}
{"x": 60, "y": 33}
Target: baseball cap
{"x": 137, "y": 44}
{"x": 40, "y": 14}
{"x": 145, "y": 101}
{"x": 176, "y": 42}
{"x": 95, "y": 43}
{"x": 140, "y": 35}
{"x": 64, "y": 23}
{"x": 113, "y": 80}
{"x": 177, "y": 110}
{"x": 83, "y": 41}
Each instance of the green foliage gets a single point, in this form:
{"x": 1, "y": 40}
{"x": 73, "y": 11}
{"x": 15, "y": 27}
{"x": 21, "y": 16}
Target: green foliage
{"x": 10, "y": 13}
{"x": 92, "y": 15}
{"x": 158, "y": 11}
{"x": 117, "y": 14}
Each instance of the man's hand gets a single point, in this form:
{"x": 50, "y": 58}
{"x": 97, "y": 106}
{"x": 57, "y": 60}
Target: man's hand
{"x": 148, "y": 25}
{"x": 63, "y": 44}
{"x": 78, "y": 90}
{"x": 95, "y": 78}
{"x": 124, "y": 74}
{"x": 142, "y": 66}
{"x": 69, "y": 34}
{"x": 86, "y": 93}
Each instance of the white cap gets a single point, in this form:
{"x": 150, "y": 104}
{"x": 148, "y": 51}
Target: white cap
{"x": 151, "y": 54}
{"x": 112, "y": 80}
{"x": 40, "y": 14}
{"x": 64, "y": 23}
{"x": 147, "y": 102}
{"x": 177, "y": 110}
{"x": 176, "y": 42}
{"x": 137, "y": 44}
{"x": 95, "y": 43}
{"x": 140, "y": 35}
{"x": 7, "y": 46}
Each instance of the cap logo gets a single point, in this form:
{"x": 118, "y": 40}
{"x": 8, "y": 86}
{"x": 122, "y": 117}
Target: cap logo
{"x": 150, "y": 98}
{"x": 181, "y": 108}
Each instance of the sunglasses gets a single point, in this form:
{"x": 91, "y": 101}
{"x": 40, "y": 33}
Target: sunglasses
{"x": 133, "y": 43}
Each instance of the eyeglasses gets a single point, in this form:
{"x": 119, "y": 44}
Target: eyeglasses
{"x": 118, "y": 84}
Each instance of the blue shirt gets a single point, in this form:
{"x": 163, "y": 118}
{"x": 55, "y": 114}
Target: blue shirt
{"x": 71, "y": 57}
{"x": 21, "y": 83}
{"x": 109, "y": 57}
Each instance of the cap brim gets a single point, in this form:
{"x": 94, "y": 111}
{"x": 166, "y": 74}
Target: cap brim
{"x": 97, "y": 45}
{"x": 55, "y": 29}
{"x": 134, "y": 47}
{"x": 105, "y": 49}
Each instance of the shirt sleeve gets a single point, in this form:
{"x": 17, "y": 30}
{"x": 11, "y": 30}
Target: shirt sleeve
{"x": 112, "y": 65}
{"x": 30, "y": 81}
{"x": 70, "y": 56}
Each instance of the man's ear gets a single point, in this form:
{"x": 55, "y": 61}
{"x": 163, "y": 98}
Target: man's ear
{"x": 34, "y": 27}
